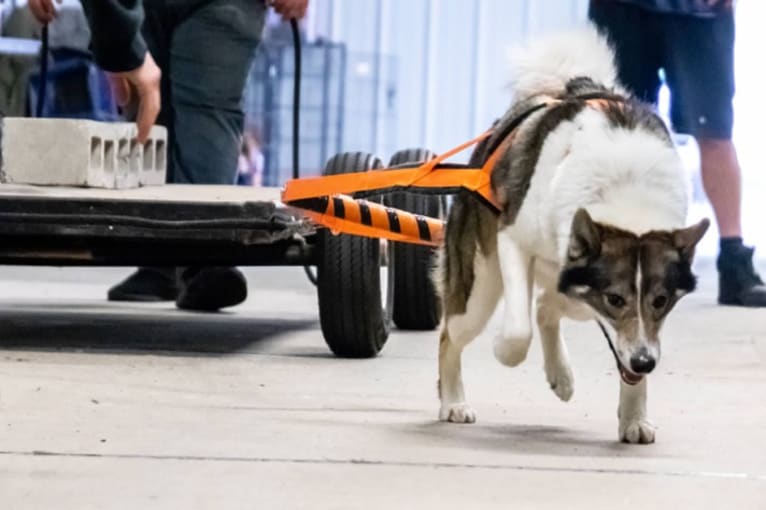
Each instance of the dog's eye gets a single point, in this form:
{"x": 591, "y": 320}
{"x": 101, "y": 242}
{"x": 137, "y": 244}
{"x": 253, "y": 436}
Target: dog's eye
{"x": 660, "y": 302}
{"x": 615, "y": 300}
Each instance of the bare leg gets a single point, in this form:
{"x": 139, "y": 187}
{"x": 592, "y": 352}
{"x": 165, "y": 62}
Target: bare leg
{"x": 634, "y": 427}
{"x": 516, "y": 266}
{"x": 557, "y": 368}
{"x": 457, "y": 332}
{"x": 723, "y": 183}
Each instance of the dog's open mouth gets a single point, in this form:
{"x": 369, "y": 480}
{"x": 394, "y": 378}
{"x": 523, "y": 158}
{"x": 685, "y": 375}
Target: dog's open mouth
{"x": 629, "y": 377}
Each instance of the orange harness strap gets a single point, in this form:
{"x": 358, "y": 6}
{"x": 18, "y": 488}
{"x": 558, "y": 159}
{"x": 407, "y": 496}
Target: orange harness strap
{"x": 326, "y": 200}
{"x": 424, "y": 176}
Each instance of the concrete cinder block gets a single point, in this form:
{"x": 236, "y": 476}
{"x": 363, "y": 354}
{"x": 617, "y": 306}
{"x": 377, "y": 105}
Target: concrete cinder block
{"x": 69, "y": 152}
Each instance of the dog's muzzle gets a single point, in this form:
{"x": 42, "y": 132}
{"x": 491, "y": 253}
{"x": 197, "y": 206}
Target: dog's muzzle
{"x": 639, "y": 363}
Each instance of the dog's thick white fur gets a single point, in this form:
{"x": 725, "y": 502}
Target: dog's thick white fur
{"x": 627, "y": 178}
{"x": 547, "y": 64}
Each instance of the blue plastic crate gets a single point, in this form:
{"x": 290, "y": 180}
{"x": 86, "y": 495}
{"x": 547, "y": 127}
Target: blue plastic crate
{"x": 76, "y": 88}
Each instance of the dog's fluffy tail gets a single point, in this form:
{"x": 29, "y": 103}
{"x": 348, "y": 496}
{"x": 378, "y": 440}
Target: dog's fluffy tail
{"x": 547, "y": 64}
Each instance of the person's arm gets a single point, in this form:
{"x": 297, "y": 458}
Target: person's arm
{"x": 119, "y": 49}
{"x": 116, "y": 40}
{"x": 289, "y": 9}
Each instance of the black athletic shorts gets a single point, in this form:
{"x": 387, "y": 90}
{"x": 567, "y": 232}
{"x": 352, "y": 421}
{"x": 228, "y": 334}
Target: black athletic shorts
{"x": 696, "y": 54}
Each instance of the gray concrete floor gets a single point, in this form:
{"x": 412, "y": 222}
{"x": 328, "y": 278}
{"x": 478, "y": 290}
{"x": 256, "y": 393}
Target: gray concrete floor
{"x": 113, "y": 406}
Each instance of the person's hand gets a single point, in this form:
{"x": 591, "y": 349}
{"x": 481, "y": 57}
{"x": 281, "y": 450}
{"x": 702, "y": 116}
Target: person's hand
{"x": 43, "y": 10}
{"x": 289, "y": 9}
{"x": 141, "y": 85}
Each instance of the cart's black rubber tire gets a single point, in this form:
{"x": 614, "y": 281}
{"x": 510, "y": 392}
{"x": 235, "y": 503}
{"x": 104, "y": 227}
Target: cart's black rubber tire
{"x": 351, "y": 314}
{"x": 416, "y": 304}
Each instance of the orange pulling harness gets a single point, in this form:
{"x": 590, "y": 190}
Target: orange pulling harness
{"x": 328, "y": 202}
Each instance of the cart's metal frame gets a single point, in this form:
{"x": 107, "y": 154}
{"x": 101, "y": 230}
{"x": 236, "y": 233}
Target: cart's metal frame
{"x": 168, "y": 225}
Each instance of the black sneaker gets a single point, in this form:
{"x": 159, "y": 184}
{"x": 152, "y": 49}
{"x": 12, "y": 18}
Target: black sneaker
{"x": 209, "y": 289}
{"x": 146, "y": 284}
{"x": 738, "y": 283}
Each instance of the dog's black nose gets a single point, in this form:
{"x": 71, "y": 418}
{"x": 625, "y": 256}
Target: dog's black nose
{"x": 642, "y": 362}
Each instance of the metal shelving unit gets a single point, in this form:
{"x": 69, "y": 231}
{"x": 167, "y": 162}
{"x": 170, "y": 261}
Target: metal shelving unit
{"x": 268, "y": 106}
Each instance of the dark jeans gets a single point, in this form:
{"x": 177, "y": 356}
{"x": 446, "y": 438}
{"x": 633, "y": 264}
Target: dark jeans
{"x": 205, "y": 49}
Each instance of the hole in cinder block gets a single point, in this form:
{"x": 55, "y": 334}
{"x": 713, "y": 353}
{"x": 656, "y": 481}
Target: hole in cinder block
{"x": 160, "y": 154}
{"x": 123, "y": 159}
{"x": 135, "y": 155}
{"x": 109, "y": 156}
{"x": 96, "y": 153}
{"x": 148, "y": 155}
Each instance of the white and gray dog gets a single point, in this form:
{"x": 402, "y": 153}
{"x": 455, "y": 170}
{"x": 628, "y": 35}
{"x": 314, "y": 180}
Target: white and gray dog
{"x": 593, "y": 200}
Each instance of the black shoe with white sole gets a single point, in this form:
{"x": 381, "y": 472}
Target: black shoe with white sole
{"x": 738, "y": 282}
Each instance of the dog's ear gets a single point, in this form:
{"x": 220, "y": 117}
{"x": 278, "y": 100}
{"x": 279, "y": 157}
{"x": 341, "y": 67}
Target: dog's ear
{"x": 584, "y": 238}
{"x": 686, "y": 239}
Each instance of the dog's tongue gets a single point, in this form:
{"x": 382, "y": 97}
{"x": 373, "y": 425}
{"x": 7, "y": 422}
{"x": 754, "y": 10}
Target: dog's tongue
{"x": 629, "y": 377}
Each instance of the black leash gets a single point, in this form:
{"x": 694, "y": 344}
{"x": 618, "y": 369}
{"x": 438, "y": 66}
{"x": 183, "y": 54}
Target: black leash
{"x": 297, "y": 118}
{"x": 609, "y": 341}
{"x": 43, "y": 77}
{"x": 296, "y": 97}
{"x": 620, "y": 367}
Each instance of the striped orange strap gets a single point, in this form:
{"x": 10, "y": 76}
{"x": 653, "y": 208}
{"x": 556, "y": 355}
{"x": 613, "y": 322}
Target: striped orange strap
{"x": 326, "y": 200}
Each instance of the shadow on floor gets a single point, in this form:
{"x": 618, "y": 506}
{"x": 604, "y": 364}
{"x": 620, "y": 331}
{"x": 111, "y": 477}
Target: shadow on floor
{"x": 537, "y": 439}
{"x": 104, "y": 327}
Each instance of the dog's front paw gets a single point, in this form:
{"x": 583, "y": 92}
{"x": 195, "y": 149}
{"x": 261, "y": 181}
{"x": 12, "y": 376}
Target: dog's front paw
{"x": 637, "y": 432}
{"x": 511, "y": 347}
{"x": 560, "y": 378}
{"x": 457, "y": 413}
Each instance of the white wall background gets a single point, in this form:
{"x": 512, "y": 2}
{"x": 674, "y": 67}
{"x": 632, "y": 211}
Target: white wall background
{"x": 450, "y": 58}
{"x": 750, "y": 118}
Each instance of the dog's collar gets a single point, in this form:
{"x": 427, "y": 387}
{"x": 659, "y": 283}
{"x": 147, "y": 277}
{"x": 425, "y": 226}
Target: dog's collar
{"x": 620, "y": 367}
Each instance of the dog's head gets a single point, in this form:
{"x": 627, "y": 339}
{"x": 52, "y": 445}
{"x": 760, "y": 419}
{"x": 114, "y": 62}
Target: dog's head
{"x": 631, "y": 282}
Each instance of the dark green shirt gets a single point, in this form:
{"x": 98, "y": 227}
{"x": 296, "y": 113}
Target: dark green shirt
{"x": 115, "y": 25}
{"x": 116, "y": 40}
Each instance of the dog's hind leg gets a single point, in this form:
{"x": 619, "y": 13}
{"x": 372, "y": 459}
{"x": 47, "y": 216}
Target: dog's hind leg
{"x": 516, "y": 270}
{"x": 557, "y": 368}
{"x": 458, "y": 331}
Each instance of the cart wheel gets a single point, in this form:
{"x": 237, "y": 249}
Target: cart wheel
{"x": 354, "y": 322}
{"x": 416, "y": 304}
